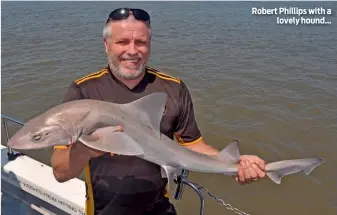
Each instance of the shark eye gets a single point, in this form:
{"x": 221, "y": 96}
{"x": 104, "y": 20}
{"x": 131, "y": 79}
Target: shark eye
{"x": 37, "y": 137}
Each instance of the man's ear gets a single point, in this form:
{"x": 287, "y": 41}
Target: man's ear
{"x": 106, "y": 44}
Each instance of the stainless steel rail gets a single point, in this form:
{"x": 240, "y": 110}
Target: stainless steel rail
{"x": 5, "y": 119}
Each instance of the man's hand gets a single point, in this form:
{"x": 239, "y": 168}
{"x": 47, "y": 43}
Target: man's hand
{"x": 68, "y": 163}
{"x": 93, "y": 153}
{"x": 251, "y": 168}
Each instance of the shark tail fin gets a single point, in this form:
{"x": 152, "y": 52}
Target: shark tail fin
{"x": 276, "y": 170}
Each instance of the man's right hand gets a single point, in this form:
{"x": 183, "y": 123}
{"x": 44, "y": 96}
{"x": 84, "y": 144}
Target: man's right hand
{"x": 68, "y": 163}
{"x": 93, "y": 153}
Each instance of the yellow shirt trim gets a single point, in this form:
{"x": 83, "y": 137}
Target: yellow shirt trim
{"x": 91, "y": 76}
{"x": 181, "y": 142}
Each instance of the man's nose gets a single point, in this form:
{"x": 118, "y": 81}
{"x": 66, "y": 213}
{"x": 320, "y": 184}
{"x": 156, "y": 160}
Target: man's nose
{"x": 132, "y": 49}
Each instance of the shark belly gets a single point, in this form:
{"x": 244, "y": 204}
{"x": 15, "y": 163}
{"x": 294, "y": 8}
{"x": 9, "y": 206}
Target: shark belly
{"x": 167, "y": 152}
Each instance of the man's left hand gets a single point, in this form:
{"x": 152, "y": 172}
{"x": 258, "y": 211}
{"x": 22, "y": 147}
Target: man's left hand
{"x": 251, "y": 169}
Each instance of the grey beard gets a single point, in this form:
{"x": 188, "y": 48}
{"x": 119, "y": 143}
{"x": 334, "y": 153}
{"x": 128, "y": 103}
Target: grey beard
{"x": 115, "y": 71}
{"x": 126, "y": 76}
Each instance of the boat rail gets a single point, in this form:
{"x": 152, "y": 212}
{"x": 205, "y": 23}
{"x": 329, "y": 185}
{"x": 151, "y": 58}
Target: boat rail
{"x": 43, "y": 196}
{"x": 4, "y": 120}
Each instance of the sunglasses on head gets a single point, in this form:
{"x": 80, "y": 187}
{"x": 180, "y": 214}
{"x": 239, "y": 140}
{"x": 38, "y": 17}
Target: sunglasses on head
{"x": 124, "y": 13}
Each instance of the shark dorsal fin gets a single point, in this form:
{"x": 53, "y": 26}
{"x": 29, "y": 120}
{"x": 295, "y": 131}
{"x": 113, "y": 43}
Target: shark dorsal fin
{"x": 149, "y": 110}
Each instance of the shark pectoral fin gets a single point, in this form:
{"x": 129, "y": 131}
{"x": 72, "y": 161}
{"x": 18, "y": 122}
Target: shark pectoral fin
{"x": 105, "y": 139}
{"x": 170, "y": 173}
{"x": 230, "y": 154}
{"x": 149, "y": 110}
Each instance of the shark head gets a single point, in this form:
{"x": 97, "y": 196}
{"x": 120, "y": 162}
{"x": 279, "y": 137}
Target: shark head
{"x": 39, "y": 136}
{"x": 57, "y": 126}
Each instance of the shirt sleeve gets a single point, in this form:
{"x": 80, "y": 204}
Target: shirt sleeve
{"x": 73, "y": 93}
{"x": 187, "y": 131}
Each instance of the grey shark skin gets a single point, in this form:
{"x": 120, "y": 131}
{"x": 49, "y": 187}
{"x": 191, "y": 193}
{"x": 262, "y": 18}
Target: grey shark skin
{"x": 92, "y": 122}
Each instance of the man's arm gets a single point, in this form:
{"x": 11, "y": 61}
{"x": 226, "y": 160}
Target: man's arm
{"x": 68, "y": 161}
{"x": 203, "y": 148}
{"x": 188, "y": 135}
{"x": 251, "y": 166}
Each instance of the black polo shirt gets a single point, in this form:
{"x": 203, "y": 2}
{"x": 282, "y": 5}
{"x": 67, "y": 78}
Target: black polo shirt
{"x": 128, "y": 180}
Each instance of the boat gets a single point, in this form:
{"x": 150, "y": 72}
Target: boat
{"x": 29, "y": 187}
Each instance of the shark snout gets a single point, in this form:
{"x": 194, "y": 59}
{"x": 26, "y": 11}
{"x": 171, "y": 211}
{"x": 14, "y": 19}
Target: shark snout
{"x": 16, "y": 143}
{"x": 21, "y": 140}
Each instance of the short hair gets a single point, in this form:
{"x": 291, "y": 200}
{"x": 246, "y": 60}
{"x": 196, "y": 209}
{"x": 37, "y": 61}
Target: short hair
{"x": 107, "y": 30}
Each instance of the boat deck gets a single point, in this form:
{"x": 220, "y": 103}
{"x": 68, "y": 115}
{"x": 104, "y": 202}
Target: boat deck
{"x": 29, "y": 187}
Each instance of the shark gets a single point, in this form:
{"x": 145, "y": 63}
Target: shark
{"x": 92, "y": 121}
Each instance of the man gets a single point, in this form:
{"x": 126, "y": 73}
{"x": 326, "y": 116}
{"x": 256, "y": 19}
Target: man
{"x": 119, "y": 184}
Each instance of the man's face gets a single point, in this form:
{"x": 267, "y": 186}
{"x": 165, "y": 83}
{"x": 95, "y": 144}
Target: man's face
{"x": 128, "y": 48}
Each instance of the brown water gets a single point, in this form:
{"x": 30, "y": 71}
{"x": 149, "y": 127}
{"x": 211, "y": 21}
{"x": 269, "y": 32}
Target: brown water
{"x": 273, "y": 87}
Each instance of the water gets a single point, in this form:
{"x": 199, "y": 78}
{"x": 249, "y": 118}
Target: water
{"x": 273, "y": 87}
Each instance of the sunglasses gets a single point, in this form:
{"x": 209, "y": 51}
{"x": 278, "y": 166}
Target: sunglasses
{"x": 124, "y": 13}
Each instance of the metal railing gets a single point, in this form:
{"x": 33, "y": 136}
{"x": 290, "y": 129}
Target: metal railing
{"x": 5, "y": 119}
{"x": 11, "y": 156}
